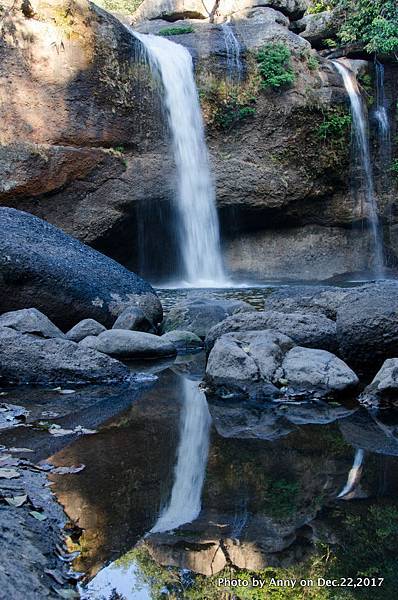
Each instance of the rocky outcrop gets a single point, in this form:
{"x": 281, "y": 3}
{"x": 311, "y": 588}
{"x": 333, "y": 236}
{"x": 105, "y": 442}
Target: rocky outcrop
{"x": 127, "y": 344}
{"x": 26, "y": 358}
{"x": 199, "y": 315}
{"x": 316, "y": 28}
{"x": 383, "y": 390}
{"x": 43, "y": 267}
{"x": 304, "y": 329}
{"x": 30, "y": 320}
{"x": 84, "y": 329}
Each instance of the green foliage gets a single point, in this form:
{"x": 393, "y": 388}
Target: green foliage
{"x": 373, "y": 22}
{"x": 231, "y": 112}
{"x": 394, "y": 167}
{"x": 330, "y": 43}
{"x": 280, "y": 498}
{"x": 313, "y": 63}
{"x": 274, "y": 65}
{"x": 176, "y": 30}
{"x": 334, "y": 126}
{"x": 318, "y": 6}
{"x": 127, "y": 7}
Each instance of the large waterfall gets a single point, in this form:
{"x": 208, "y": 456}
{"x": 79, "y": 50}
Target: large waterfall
{"x": 361, "y": 146}
{"x": 185, "y": 501}
{"x": 198, "y": 226}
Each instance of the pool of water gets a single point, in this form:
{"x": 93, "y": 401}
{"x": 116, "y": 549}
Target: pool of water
{"x": 183, "y": 497}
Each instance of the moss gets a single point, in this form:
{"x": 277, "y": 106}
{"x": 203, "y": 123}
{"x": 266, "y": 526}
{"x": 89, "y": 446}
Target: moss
{"x": 168, "y": 31}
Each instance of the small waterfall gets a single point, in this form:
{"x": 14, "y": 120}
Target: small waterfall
{"x": 198, "y": 226}
{"x": 232, "y": 46}
{"x": 185, "y": 501}
{"x": 383, "y": 122}
{"x": 361, "y": 147}
{"x": 354, "y": 475}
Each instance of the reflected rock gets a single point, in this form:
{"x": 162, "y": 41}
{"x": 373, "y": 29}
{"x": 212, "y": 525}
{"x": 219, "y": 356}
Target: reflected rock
{"x": 363, "y": 430}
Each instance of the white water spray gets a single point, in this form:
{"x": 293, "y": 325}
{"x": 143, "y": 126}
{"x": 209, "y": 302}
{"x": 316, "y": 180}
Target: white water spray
{"x": 383, "y": 122}
{"x": 361, "y": 140}
{"x": 189, "y": 473}
{"x": 198, "y": 221}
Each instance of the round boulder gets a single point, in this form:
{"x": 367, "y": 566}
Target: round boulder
{"x": 127, "y": 344}
{"x": 83, "y": 329}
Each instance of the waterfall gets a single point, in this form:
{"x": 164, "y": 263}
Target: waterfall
{"x": 381, "y": 116}
{"x": 185, "y": 501}
{"x": 361, "y": 146}
{"x": 232, "y": 46}
{"x": 198, "y": 227}
{"x": 354, "y": 475}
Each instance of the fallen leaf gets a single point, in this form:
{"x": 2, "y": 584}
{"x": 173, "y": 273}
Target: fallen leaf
{"x": 67, "y": 391}
{"x": 68, "y": 470}
{"x": 55, "y": 574}
{"x": 20, "y": 450}
{"x": 37, "y": 515}
{"x": 67, "y": 593}
{"x": 9, "y": 474}
{"x": 58, "y": 431}
{"x": 16, "y": 501}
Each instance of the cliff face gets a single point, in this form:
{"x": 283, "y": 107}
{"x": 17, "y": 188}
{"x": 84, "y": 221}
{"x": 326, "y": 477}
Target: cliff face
{"x": 83, "y": 142}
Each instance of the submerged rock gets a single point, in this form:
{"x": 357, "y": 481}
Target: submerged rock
{"x": 83, "y": 329}
{"x": 30, "y": 320}
{"x": 316, "y": 331}
{"x": 129, "y": 344}
{"x": 184, "y": 341}
{"x": 199, "y": 315}
{"x": 42, "y": 266}
{"x": 383, "y": 391}
{"x": 26, "y": 358}
{"x": 309, "y": 369}
{"x": 134, "y": 319}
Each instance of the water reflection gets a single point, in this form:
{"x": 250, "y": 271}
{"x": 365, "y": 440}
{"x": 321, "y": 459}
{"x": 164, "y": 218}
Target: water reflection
{"x": 257, "y": 490}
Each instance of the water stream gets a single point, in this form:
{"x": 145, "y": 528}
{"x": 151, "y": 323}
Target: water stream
{"x": 383, "y": 122}
{"x": 185, "y": 501}
{"x": 232, "y": 46}
{"x": 361, "y": 152}
{"x": 197, "y": 227}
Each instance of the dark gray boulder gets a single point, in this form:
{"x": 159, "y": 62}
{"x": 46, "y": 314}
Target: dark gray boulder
{"x": 41, "y": 266}
{"x": 323, "y": 300}
{"x": 134, "y": 319}
{"x": 315, "y": 331}
{"x": 129, "y": 344}
{"x": 367, "y": 326}
{"x": 30, "y": 320}
{"x": 308, "y": 369}
{"x": 383, "y": 390}
{"x": 26, "y": 358}
{"x": 199, "y": 315}
{"x": 83, "y": 329}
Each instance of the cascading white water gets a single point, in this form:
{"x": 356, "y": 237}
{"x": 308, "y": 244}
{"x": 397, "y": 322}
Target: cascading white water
{"x": 198, "y": 225}
{"x": 185, "y": 500}
{"x": 381, "y": 115}
{"x": 232, "y": 46}
{"x": 361, "y": 142}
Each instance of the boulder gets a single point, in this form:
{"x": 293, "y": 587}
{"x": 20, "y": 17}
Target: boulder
{"x": 184, "y": 341}
{"x": 83, "y": 329}
{"x": 323, "y": 300}
{"x": 307, "y": 369}
{"x": 383, "y": 390}
{"x": 244, "y": 360}
{"x": 127, "y": 344}
{"x": 367, "y": 325}
{"x": 259, "y": 26}
{"x": 134, "y": 319}
{"x": 314, "y": 331}
{"x": 172, "y": 10}
{"x": 199, "y": 315}
{"x": 294, "y": 9}
{"x": 30, "y": 320}
{"x": 26, "y": 358}
{"x": 318, "y": 27}
{"x": 42, "y": 266}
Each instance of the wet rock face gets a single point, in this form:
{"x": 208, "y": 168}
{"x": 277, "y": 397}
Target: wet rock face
{"x": 43, "y": 267}
{"x": 26, "y": 358}
{"x": 315, "y": 331}
{"x": 383, "y": 390}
